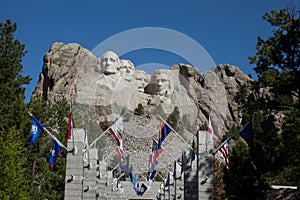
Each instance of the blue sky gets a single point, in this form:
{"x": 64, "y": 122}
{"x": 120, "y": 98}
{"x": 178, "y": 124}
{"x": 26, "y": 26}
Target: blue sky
{"x": 227, "y": 30}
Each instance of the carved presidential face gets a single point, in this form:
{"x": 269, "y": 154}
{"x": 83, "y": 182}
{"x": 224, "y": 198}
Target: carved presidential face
{"x": 141, "y": 79}
{"x": 164, "y": 81}
{"x": 110, "y": 63}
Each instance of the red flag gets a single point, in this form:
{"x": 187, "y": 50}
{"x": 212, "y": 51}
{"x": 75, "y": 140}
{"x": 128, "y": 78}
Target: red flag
{"x": 224, "y": 153}
{"x": 70, "y": 126}
{"x": 120, "y": 153}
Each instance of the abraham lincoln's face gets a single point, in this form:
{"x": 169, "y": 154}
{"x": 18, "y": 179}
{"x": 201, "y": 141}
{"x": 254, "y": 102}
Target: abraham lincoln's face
{"x": 164, "y": 81}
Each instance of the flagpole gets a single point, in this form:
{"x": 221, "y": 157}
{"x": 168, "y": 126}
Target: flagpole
{"x": 229, "y": 138}
{"x": 53, "y": 137}
{"x": 169, "y": 187}
{"x": 163, "y": 189}
{"x": 175, "y": 178}
{"x": 164, "y": 166}
{"x": 206, "y": 133}
{"x": 160, "y": 175}
{"x": 115, "y": 167}
{"x": 121, "y": 175}
{"x": 176, "y": 133}
{"x": 95, "y": 140}
{"x": 72, "y": 135}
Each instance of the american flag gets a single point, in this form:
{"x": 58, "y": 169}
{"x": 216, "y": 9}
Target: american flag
{"x": 224, "y": 154}
{"x": 117, "y": 130}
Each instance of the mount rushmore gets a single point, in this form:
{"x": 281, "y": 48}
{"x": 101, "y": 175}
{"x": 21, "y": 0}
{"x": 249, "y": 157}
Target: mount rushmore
{"x": 109, "y": 85}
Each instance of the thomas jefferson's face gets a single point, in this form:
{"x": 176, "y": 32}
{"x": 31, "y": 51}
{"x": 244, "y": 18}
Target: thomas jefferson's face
{"x": 141, "y": 80}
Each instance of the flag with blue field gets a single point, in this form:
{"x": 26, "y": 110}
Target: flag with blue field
{"x": 247, "y": 134}
{"x": 36, "y": 129}
{"x": 164, "y": 131}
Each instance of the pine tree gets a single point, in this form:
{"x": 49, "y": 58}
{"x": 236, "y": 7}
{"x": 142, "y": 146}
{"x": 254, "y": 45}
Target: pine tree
{"x": 280, "y": 52}
{"x": 11, "y": 81}
{"x": 174, "y": 118}
{"x": 274, "y": 160}
{"x": 47, "y": 182}
{"x": 15, "y": 123}
{"x": 13, "y": 185}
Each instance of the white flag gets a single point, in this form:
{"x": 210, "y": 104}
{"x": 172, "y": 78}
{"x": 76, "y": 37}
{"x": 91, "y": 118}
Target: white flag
{"x": 117, "y": 130}
{"x": 209, "y": 131}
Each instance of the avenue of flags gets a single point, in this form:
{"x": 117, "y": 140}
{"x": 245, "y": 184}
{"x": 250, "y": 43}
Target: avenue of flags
{"x": 116, "y": 130}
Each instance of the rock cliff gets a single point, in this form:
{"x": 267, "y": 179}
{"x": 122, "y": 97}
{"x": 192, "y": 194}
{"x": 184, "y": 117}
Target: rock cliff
{"x": 111, "y": 86}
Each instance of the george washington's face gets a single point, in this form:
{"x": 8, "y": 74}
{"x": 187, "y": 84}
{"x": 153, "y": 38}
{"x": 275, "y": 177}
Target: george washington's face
{"x": 109, "y": 63}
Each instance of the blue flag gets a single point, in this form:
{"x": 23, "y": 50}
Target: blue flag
{"x": 56, "y": 150}
{"x": 164, "y": 131}
{"x": 134, "y": 182}
{"x": 168, "y": 181}
{"x": 142, "y": 189}
{"x": 36, "y": 129}
{"x": 152, "y": 175}
{"x": 247, "y": 135}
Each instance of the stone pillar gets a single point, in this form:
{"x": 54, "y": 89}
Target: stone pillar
{"x": 178, "y": 181}
{"x": 205, "y": 167}
{"x": 190, "y": 177}
{"x": 74, "y": 167}
{"x": 90, "y": 174}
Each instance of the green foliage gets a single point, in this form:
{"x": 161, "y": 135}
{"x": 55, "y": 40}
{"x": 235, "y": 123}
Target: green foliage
{"x": 12, "y": 96}
{"x": 219, "y": 185}
{"x": 274, "y": 159}
{"x": 289, "y": 172}
{"x": 174, "y": 118}
{"x": 13, "y": 183}
{"x": 139, "y": 110}
{"x": 280, "y": 52}
{"x": 46, "y": 182}
{"x": 105, "y": 124}
{"x": 13, "y": 116}
{"x": 241, "y": 177}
